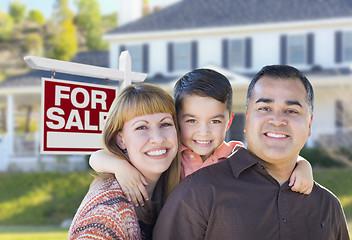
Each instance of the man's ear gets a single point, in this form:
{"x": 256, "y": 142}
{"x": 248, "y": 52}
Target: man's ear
{"x": 230, "y": 121}
{"x": 310, "y": 126}
{"x": 119, "y": 141}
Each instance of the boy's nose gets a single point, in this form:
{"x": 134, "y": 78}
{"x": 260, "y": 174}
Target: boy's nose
{"x": 203, "y": 129}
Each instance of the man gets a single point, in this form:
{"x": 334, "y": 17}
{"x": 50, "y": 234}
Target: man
{"x": 248, "y": 196}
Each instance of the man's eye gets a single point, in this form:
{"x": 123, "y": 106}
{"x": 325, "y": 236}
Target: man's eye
{"x": 291, "y": 111}
{"x": 264, "y": 109}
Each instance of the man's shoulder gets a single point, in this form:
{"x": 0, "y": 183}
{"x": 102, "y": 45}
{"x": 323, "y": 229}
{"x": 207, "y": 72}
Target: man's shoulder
{"x": 324, "y": 194}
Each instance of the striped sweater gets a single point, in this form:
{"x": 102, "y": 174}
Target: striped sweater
{"x": 105, "y": 214}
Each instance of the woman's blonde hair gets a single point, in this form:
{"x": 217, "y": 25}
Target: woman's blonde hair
{"x": 133, "y": 101}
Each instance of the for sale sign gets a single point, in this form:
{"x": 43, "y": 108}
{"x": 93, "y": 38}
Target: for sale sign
{"x": 73, "y": 116}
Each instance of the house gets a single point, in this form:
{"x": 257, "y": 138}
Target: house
{"x": 243, "y": 36}
{"x": 234, "y": 37}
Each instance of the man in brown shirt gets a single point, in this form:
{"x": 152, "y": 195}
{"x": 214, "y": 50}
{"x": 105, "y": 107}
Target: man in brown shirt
{"x": 247, "y": 196}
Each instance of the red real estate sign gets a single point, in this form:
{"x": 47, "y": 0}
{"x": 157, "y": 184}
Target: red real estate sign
{"x": 73, "y": 115}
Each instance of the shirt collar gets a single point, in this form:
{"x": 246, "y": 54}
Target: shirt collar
{"x": 241, "y": 159}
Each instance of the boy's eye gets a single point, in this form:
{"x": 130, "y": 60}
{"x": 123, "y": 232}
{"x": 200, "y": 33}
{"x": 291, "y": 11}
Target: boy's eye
{"x": 191, "y": 121}
{"x": 215, "y": 121}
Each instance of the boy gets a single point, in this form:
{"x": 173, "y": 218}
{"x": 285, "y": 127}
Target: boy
{"x": 203, "y": 101}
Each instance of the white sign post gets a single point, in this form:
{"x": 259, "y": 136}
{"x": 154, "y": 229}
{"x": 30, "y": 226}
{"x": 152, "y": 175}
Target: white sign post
{"x": 73, "y": 113}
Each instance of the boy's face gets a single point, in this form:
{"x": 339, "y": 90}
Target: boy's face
{"x": 203, "y": 123}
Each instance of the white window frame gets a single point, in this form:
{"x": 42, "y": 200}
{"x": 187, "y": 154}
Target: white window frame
{"x": 136, "y": 52}
{"x": 182, "y": 56}
{"x": 237, "y": 57}
{"x": 297, "y": 45}
{"x": 347, "y": 46}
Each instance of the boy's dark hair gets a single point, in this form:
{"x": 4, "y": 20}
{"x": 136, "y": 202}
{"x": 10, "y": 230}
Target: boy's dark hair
{"x": 284, "y": 72}
{"x": 203, "y": 83}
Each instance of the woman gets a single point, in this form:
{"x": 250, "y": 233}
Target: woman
{"x": 141, "y": 127}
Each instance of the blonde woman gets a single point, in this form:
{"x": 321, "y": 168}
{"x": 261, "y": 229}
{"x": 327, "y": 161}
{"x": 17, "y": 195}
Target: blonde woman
{"x": 141, "y": 128}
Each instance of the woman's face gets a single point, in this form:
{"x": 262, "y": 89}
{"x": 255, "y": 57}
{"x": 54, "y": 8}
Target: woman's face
{"x": 151, "y": 143}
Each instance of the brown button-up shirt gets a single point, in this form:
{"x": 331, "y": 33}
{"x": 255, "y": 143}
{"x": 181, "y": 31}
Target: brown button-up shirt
{"x": 238, "y": 199}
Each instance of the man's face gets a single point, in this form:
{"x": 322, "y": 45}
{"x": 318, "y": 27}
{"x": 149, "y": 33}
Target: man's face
{"x": 278, "y": 121}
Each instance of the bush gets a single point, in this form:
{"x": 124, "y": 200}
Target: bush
{"x": 318, "y": 157}
{"x": 45, "y": 198}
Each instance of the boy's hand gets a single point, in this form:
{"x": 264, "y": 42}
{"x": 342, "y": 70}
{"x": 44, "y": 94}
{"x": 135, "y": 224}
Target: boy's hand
{"x": 302, "y": 177}
{"x": 133, "y": 184}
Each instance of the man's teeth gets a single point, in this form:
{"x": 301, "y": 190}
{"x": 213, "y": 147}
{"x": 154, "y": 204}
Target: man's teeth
{"x": 275, "y": 135}
{"x": 156, "y": 153}
{"x": 202, "y": 142}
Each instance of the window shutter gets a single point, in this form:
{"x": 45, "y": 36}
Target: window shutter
{"x": 338, "y": 47}
{"x": 170, "y": 57}
{"x": 283, "y": 49}
{"x": 248, "y": 53}
{"x": 145, "y": 58}
{"x": 194, "y": 49}
{"x": 225, "y": 53}
{"x": 310, "y": 48}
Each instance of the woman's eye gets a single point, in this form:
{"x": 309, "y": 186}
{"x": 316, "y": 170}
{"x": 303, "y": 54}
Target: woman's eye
{"x": 166, "y": 124}
{"x": 141, "y": 128}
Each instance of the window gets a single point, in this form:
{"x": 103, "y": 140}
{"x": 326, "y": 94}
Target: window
{"x": 343, "y": 115}
{"x": 182, "y": 56}
{"x": 136, "y": 52}
{"x": 347, "y": 46}
{"x": 237, "y": 54}
{"x": 296, "y": 49}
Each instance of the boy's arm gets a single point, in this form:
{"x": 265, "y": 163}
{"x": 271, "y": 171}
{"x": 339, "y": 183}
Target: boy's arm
{"x": 302, "y": 177}
{"x": 130, "y": 179}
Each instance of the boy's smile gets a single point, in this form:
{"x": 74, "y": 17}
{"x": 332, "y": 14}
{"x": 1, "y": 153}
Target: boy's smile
{"x": 203, "y": 123}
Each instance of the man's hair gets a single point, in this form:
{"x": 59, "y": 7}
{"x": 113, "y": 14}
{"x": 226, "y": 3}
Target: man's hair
{"x": 203, "y": 83}
{"x": 283, "y": 72}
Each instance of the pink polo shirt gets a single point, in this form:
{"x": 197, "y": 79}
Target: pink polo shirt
{"x": 191, "y": 162}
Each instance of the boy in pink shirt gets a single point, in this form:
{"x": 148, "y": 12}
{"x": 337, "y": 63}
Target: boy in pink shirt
{"x": 203, "y": 101}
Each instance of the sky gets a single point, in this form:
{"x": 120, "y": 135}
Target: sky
{"x": 46, "y": 6}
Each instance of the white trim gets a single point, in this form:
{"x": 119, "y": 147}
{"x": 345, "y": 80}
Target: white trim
{"x": 209, "y": 31}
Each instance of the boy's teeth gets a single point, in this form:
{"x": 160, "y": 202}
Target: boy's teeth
{"x": 202, "y": 142}
{"x": 275, "y": 135}
{"x": 156, "y": 153}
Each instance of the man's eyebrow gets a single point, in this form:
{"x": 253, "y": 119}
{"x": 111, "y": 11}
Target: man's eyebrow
{"x": 264, "y": 100}
{"x": 288, "y": 102}
{"x": 293, "y": 102}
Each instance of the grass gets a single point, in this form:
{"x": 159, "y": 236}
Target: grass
{"x": 33, "y": 233}
{"x": 35, "y": 202}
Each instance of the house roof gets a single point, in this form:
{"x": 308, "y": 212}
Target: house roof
{"x": 190, "y": 14}
{"x": 33, "y": 78}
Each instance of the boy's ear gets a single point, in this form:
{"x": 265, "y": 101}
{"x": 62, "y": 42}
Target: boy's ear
{"x": 230, "y": 121}
{"x": 119, "y": 141}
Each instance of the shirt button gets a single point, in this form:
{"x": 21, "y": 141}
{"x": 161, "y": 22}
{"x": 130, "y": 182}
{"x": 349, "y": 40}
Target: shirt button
{"x": 262, "y": 167}
{"x": 284, "y": 220}
{"x": 191, "y": 156}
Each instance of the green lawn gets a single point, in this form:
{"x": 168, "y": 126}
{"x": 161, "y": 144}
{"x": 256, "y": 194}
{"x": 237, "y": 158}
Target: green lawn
{"x": 33, "y": 233}
{"x": 49, "y": 198}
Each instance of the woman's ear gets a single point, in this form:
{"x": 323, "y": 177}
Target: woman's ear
{"x": 119, "y": 141}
